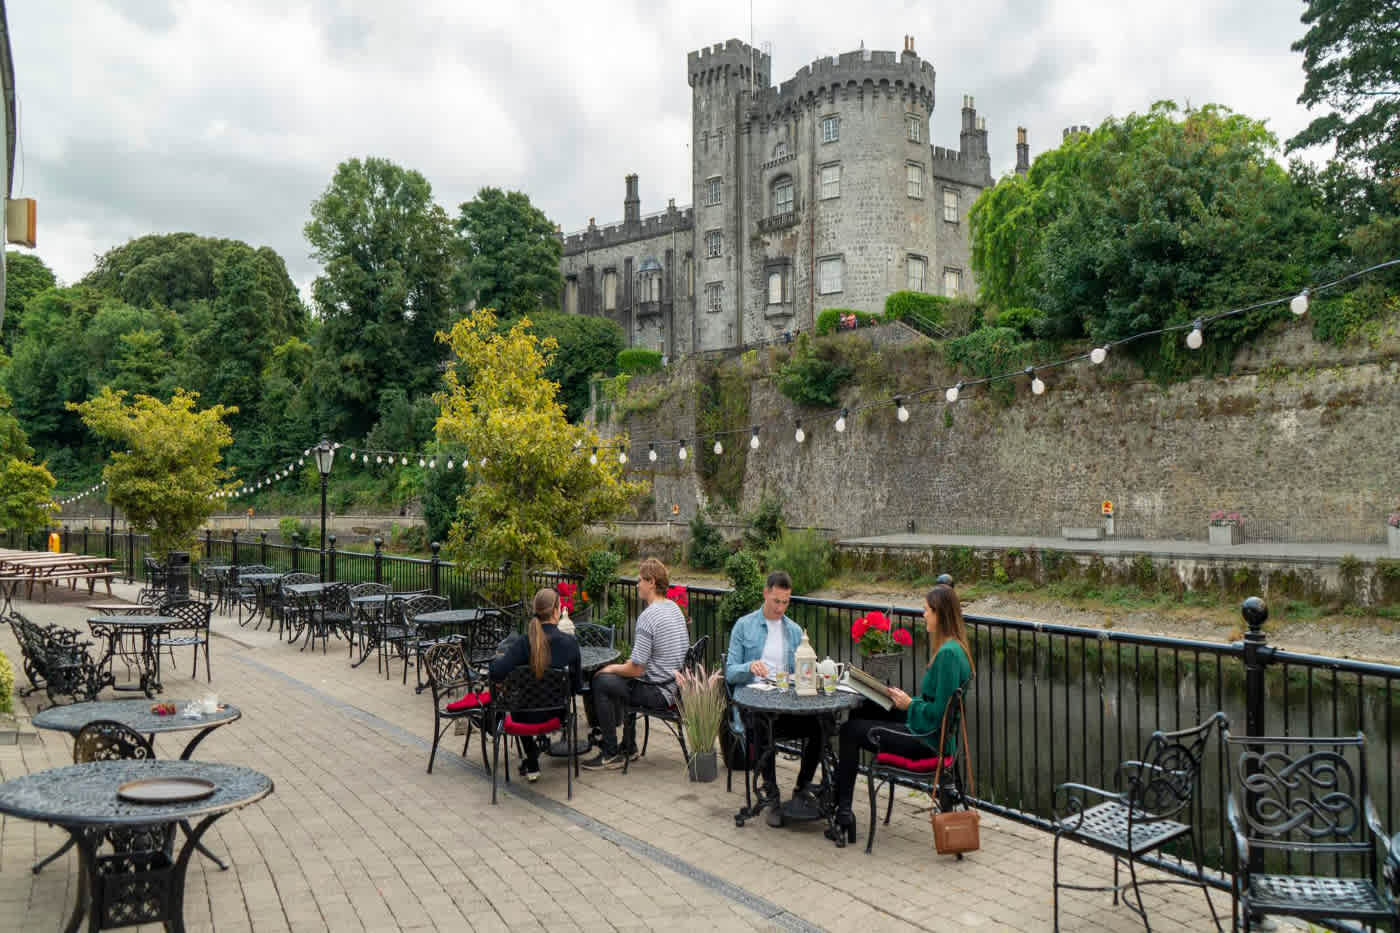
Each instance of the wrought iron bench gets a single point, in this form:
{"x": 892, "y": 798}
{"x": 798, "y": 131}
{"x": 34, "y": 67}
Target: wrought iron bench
{"x": 56, "y": 661}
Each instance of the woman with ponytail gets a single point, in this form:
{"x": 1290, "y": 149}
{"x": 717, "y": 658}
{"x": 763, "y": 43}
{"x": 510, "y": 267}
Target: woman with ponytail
{"x": 546, "y": 647}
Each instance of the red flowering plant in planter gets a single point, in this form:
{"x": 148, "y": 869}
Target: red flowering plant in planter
{"x": 681, "y": 597}
{"x": 873, "y": 634}
{"x": 567, "y": 591}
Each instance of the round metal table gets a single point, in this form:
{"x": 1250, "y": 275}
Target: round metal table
{"x": 760, "y": 708}
{"x": 120, "y": 888}
{"x": 113, "y": 627}
{"x": 136, "y": 715}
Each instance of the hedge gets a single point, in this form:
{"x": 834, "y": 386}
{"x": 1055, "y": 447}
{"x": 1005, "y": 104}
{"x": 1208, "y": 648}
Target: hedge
{"x": 829, "y": 320}
{"x": 637, "y": 361}
{"x": 7, "y": 684}
{"x": 921, "y": 304}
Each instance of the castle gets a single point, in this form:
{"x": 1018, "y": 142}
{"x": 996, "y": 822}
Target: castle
{"x": 822, "y": 192}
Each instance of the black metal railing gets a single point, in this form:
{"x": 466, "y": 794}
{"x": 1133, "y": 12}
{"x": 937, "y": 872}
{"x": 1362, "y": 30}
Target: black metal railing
{"x": 1049, "y": 703}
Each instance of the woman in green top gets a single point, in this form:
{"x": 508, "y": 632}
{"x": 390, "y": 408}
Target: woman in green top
{"x": 950, "y": 668}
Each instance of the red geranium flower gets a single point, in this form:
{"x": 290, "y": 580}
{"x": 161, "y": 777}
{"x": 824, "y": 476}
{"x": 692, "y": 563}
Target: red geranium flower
{"x": 878, "y": 621}
{"x": 858, "y": 628}
{"x": 902, "y": 637}
{"x": 679, "y": 595}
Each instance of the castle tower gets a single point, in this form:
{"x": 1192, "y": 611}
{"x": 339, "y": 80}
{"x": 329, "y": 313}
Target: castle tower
{"x": 1023, "y": 152}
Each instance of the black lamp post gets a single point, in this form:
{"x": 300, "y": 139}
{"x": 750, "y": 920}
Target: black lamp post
{"x": 325, "y": 454}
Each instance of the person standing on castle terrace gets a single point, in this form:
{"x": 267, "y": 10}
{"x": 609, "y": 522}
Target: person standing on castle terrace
{"x": 646, "y": 679}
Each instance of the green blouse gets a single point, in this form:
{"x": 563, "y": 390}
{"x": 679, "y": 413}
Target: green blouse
{"x": 949, "y": 671}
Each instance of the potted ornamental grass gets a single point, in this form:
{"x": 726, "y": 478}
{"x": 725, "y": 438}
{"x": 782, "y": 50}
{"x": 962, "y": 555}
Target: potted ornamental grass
{"x": 880, "y": 645}
{"x": 702, "y": 700}
{"x": 1224, "y": 527}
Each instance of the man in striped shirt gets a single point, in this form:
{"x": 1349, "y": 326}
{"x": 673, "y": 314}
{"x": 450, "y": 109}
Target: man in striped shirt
{"x": 648, "y": 678}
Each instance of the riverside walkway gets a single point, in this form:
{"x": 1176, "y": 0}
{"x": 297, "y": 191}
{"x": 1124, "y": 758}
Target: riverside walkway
{"x": 358, "y": 837}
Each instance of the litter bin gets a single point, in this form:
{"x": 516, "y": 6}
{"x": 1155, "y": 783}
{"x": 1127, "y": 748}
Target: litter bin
{"x": 177, "y": 581}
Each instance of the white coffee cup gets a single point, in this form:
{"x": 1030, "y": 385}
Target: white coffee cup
{"x": 210, "y": 703}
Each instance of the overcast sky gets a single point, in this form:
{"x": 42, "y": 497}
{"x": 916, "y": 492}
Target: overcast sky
{"x": 228, "y": 117}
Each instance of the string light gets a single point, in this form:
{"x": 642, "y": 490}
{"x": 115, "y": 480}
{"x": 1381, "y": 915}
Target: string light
{"x": 1195, "y": 338}
{"x": 422, "y": 462}
{"x": 753, "y": 439}
{"x": 449, "y": 463}
{"x": 900, "y": 411}
{"x": 952, "y": 393}
{"x": 593, "y": 457}
{"x": 622, "y": 456}
{"x": 799, "y": 435}
{"x": 432, "y": 464}
{"x": 1299, "y": 304}
{"x": 651, "y": 452}
{"x": 841, "y": 422}
{"x": 378, "y": 458}
{"x": 1038, "y": 386}
{"x": 681, "y": 454}
{"x": 719, "y": 447}
{"x": 1098, "y": 355}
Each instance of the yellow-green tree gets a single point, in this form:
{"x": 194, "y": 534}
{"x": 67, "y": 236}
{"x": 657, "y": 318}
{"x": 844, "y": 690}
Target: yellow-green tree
{"x": 532, "y": 485}
{"x": 26, "y": 488}
{"x": 167, "y": 477}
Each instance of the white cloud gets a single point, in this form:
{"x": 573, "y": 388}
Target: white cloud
{"x": 228, "y": 118}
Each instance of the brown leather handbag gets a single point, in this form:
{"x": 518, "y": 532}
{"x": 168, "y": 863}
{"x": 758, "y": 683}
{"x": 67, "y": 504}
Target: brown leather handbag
{"x": 956, "y": 832}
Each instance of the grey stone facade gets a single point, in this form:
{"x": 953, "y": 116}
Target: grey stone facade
{"x": 822, "y": 192}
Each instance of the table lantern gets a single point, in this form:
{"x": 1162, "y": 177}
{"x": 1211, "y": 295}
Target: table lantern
{"x": 566, "y": 624}
{"x": 805, "y": 669}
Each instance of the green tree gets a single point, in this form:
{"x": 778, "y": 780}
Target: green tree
{"x": 512, "y": 253}
{"x": 531, "y": 485}
{"x": 388, "y": 254}
{"x": 166, "y": 478}
{"x": 26, "y": 489}
{"x": 1148, "y": 221}
{"x": 26, "y": 275}
{"x": 586, "y": 346}
{"x": 1351, "y": 59}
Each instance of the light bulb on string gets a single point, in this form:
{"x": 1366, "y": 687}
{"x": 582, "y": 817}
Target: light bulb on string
{"x": 306, "y": 452}
{"x": 622, "y": 456}
{"x": 1195, "y": 338}
{"x": 900, "y": 411}
{"x": 449, "y": 463}
{"x": 719, "y": 447}
{"x": 422, "y": 462}
{"x": 403, "y": 461}
{"x": 682, "y": 454}
{"x": 301, "y": 462}
{"x": 953, "y": 392}
{"x": 841, "y": 422}
{"x": 432, "y": 464}
{"x": 753, "y": 439}
{"x": 799, "y": 435}
{"x": 1299, "y": 304}
{"x": 483, "y": 463}
{"x": 593, "y": 457}
{"x": 1037, "y": 386}
{"x": 1098, "y": 355}
{"x": 378, "y": 458}
{"x": 651, "y": 452}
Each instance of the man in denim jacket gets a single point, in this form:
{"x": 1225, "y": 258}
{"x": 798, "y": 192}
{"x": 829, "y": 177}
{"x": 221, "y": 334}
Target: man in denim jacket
{"x": 761, "y": 643}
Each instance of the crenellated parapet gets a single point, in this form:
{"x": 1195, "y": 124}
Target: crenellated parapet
{"x": 850, "y": 75}
{"x": 729, "y": 59}
{"x": 671, "y": 220}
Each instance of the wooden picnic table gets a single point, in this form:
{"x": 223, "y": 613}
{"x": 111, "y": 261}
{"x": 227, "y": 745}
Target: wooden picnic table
{"x": 49, "y": 569}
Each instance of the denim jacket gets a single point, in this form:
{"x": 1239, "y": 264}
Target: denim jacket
{"x": 746, "y": 643}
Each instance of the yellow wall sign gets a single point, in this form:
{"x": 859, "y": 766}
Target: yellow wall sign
{"x": 1107, "y": 507}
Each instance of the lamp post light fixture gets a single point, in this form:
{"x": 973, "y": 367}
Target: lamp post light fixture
{"x": 325, "y": 455}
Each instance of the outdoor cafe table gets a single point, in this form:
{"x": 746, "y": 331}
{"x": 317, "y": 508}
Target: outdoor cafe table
{"x": 113, "y": 627}
{"x": 260, "y": 583}
{"x": 135, "y": 715}
{"x": 760, "y": 708}
{"x": 592, "y": 658}
{"x": 131, "y": 887}
{"x": 370, "y": 609}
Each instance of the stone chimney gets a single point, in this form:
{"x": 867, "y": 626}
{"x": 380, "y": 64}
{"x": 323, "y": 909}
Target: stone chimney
{"x": 1023, "y": 152}
{"x": 632, "y": 203}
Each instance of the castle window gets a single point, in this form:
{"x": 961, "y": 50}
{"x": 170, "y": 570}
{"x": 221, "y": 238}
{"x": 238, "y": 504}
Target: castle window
{"x": 714, "y": 297}
{"x": 831, "y": 180}
{"x": 829, "y": 275}
{"x": 831, "y": 129}
{"x": 780, "y": 151}
{"x": 950, "y": 206}
{"x": 714, "y": 191}
{"x": 779, "y": 274}
{"x": 610, "y": 290}
{"x": 914, "y": 180}
{"x": 649, "y": 280}
{"x": 571, "y": 295}
{"x": 952, "y": 282}
{"x": 914, "y": 128}
{"x": 714, "y": 244}
{"x": 917, "y": 268}
{"x": 689, "y": 273}
{"x": 782, "y": 195}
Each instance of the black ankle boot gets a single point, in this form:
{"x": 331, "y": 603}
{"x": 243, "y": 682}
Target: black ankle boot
{"x": 845, "y": 830}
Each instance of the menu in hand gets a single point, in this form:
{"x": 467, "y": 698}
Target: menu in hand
{"x": 868, "y": 687}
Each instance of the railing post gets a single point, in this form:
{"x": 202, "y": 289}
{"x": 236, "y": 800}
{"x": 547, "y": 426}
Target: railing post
{"x": 209, "y": 544}
{"x": 262, "y": 549}
{"x": 330, "y": 559}
{"x": 109, "y": 542}
{"x": 130, "y": 555}
{"x": 378, "y": 559}
{"x": 233, "y": 546}
{"x": 1256, "y": 659}
{"x": 435, "y": 570}
{"x": 296, "y": 551}
{"x": 66, "y": 533}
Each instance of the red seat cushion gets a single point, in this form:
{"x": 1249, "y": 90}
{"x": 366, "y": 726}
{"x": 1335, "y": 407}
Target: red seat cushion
{"x": 470, "y": 701}
{"x": 531, "y": 728}
{"x": 921, "y": 765}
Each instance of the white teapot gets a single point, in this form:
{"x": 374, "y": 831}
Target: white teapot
{"x": 566, "y": 625}
{"x": 830, "y": 672}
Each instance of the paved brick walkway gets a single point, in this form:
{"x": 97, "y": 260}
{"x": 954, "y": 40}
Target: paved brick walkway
{"x": 358, "y": 837}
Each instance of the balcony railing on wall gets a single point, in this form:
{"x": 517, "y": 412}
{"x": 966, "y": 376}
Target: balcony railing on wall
{"x": 1048, "y": 704}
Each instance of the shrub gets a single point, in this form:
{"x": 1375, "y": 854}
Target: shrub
{"x": 7, "y": 684}
{"x": 765, "y": 525}
{"x": 829, "y": 320}
{"x": 1025, "y": 321}
{"x": 600, "y": 571}
{"x": 805, "y": 555}
{"x": 991, "y": 351}
{"x": 294, "y": 531}
{"x": 708, "y": 549}
{"x": 810, "y": 378}
{"x": 927, "y": 307}
{"x": 638, "y": 361}
{"x": 747, "y": 593}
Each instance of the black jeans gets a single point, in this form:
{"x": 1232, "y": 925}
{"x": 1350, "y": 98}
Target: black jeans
{"x": 610, "y": 694}
{"x": 855, "y": 735}
{"x": 786, "y": 726}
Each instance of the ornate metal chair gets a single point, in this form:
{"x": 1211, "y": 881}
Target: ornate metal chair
{"x": 521, "y": 692}
{"x": 1303, "y": 797}
{"x": 593, "y": 635}
{"x": 888, "y": 767}
{"x": 457, "y": 696}
{"x": 245, "y": 595}
{"x": 366, "y": 617}
{"x": 290, "y": 613}
{"x": 191, "y": 631}
{"x": 1141, "y": 815}
{"x": 669, "y": 717}
{"x": 404, "y": 635}
{"x": 495, "y": 625}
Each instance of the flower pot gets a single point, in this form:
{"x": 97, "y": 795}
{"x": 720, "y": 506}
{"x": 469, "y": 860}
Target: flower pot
{"x": 703, "y": 766}
{"x": 1224, "y": 534}
{"x": 1392, "y": 535}
{"x": 883, "y": 667}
